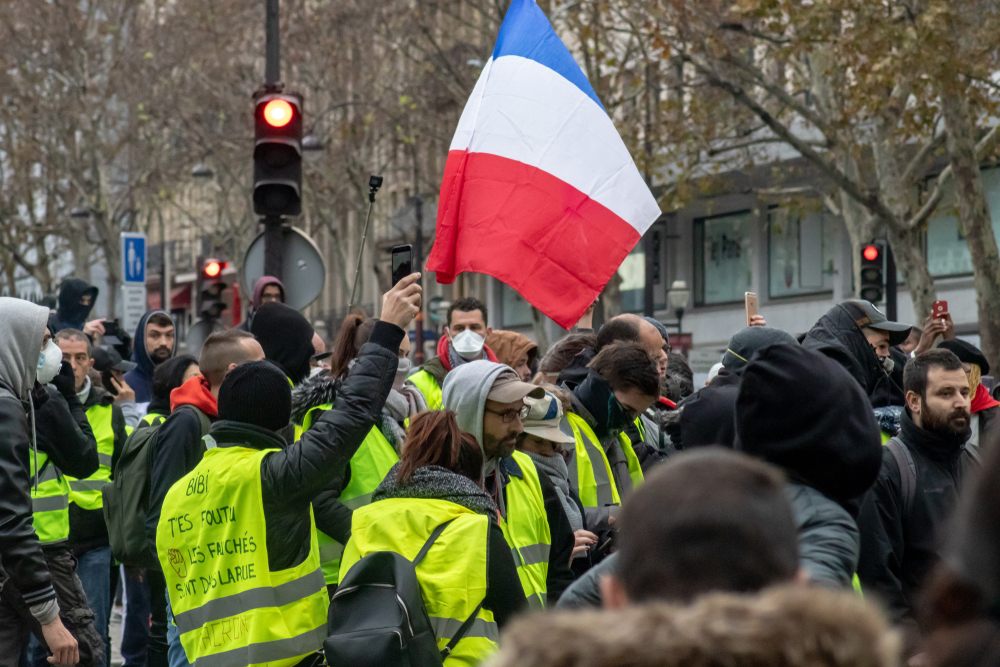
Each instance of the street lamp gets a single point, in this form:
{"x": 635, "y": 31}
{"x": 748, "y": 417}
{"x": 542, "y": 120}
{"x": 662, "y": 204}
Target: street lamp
{"x": 678, "y": 296}
{"x": 202, "y": 170}
{"x": 80, "y": 213}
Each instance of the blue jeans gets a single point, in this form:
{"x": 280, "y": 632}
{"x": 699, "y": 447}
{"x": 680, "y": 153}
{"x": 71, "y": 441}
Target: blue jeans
{"x": 135, "y": 624}
{"x": 176, "y": 653}
{"x": 94, "y": 570}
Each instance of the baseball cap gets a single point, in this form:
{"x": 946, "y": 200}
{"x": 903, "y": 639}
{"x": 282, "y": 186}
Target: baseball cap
{"x": 109, "y": 359}
{"x": 543, "y": 420}
{"x": 873, "y": 318}
{"x": 508, "y": 388}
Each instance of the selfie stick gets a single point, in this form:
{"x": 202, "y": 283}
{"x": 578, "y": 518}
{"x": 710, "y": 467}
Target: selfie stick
{"x": 374, "y": 183}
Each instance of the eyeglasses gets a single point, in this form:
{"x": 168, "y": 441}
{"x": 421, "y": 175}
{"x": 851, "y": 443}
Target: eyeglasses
{"x": 509, "y": 415}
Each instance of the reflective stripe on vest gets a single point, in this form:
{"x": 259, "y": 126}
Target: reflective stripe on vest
{"x": 368, "y": 467}
{"x": 634, "y": 469}
{"x": 452, "y": 576}
{"x": 87, "y": 492}
{"x": 231, "y": 610}
{"x": 429, "y": 387}
{"x": 589, "y": 470}
{"x": 526, "y": 528}
{"x": 49, "y": 501}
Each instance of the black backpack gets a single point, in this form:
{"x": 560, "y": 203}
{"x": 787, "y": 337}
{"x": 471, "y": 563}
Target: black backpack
{"x": 378, "y": 618}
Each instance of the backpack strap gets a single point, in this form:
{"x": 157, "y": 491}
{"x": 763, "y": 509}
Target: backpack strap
{"x": 430, "y": 542}
{"x": 206, "y": 423}
{"x": 907, "y": 471}
{"x": 446, "y": 651}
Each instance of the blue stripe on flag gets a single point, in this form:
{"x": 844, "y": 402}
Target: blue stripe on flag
{"x": 526, "y": 32}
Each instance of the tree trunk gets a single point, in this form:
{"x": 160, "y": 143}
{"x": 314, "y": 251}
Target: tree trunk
{"x": 909, "y": 256}
{"x": 538, "y": 326}
{"x": 611, "y": 297}
{"x": 975, "y": 221}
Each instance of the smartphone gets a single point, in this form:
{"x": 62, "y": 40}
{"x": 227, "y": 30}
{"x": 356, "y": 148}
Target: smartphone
{"x": 402, "y": 262}
{"x": 112, "y": 332}
{"x": 751, "y": 302}
{"x": 939, "y": 309}
{"x": 106, "y": 381}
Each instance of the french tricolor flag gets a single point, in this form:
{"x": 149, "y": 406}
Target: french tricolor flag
{"x": 539, "y": 190}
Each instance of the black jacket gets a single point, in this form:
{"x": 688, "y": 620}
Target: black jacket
{"x": 20, "y": 555}
{"x": 838, "y": 336}
{"x": 898, "y": 550}
{"x": 63, "y": 432}
{"x": 87, "y": 529}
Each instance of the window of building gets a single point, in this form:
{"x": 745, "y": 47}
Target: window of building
{"x": 516, "y": 311}
{"x": 947, "y": 250}
{"x": 723, "y": 252}
{"x": 800, "y": 251}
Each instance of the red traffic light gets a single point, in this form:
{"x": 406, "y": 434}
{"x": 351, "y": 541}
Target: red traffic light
{"x": 213, "y": 268}
{"x": 278, "y": 113}
{"x": 870, "y": 253}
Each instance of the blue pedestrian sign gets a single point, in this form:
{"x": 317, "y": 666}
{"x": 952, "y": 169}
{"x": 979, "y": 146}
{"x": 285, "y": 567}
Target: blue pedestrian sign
{"x": 133, "y": 258}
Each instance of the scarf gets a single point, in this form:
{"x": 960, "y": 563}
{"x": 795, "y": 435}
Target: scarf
{"x": 437, "y": 483}
{"x": 982, "y": 400}
{"x": 557, "y": 471}
{"x": 395, "y": 412}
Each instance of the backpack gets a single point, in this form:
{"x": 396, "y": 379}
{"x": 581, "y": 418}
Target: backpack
{"x": 908, "y": 471}
{"x": 126, "y": 498}
{"x": 378, "y": 618}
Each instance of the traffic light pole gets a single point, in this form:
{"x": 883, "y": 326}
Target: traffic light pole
{"x": 273, "y": 260}
{"x": 272, "y": 48}
{"x": 890, "y": 284}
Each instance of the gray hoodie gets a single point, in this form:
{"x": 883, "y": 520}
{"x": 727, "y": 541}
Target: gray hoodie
{"x": 464, "y": 392}
{"x": 22, "y": 329}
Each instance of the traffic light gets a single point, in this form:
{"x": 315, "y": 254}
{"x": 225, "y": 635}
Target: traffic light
{"x": 872, "y": 278}
{"x": 277, "y": 154}
{"x": 210, "y": 303}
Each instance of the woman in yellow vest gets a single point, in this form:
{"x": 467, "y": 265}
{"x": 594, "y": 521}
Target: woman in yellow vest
{"x": 377, "y": 454}
{"x": 437, "y": 480}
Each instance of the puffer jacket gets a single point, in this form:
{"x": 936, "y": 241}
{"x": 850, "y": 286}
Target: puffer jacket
{"x": 838, "y": 335}
{"x": 829, "y": 541}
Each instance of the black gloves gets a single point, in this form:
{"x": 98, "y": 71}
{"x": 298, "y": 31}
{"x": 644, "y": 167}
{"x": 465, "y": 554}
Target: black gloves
{"x": 65, "y": 382}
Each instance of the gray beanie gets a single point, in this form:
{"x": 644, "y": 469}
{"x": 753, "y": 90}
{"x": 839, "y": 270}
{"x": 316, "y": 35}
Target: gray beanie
{"x": 746, "y": 341}
{"x": 659, "y": 327}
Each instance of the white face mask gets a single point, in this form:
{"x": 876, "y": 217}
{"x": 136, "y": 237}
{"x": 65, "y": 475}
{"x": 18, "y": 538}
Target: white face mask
{"x": 468, "y": 344}
{"x": 402, "y": 371}
{"x": 49, "y": 363}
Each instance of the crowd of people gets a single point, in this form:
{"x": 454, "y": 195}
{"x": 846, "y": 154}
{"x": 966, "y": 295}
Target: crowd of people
{"x": 827, "y": 498}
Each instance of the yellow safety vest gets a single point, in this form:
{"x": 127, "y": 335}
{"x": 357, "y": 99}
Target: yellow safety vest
{"x": 589, "y": 471}
{"x": 369, "y": 466}
{"x": 87, "y": 492}
{"x": 50, "y": 501}
{"x": 452, "y": 575}
{"x": 526, "y": 528}
{"x": 634, "y": 468}
{"x": 231, "y": 610}
{"x": 429, "y": 387}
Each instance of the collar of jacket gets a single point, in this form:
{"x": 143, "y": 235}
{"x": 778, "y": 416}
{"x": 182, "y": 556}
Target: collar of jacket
{"x": 436, "y": 368}
{"x": 511, "y": 468}
{"x": 930, "y": 444}
{"x": 315, "y": 391}
{"x": 580, "y": 410}
{"x": 98, "y": 396}
{"x": 239, "y": 434}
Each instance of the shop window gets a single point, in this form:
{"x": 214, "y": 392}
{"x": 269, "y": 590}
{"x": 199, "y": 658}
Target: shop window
{"x": 800, "y": 255}
{"x": 723, "y": 258}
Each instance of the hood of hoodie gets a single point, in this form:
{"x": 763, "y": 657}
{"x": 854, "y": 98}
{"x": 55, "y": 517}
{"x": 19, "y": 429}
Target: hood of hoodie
{"x": 22, "y": 329}
{"x": 464, "y": 393}
{"x": 196, "y": 392}
{"x": 790, "y": 626}
{"x": 140, "y": 356}
{"x": 286, "y": 337}
{"x": 258, "y": 290}
{"x": 508, "y": 346}
{"x": 804, "y": 413}
{"x": 315, "y": 391}
{"x": 838, "y": 335}
{"x": 71, "y": 314}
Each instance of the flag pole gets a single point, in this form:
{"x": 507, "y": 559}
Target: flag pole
{"x": 374, "y": 183}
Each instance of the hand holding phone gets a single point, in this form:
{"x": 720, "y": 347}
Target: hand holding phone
{"x": 402, "y": 262}
{"x": 939, "y": 309}
{"x": 751, "y": 304}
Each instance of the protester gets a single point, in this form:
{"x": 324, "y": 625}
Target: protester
{"x": 560, "y": 355}
{"x": 286, "y": 338}
{"x": 378, "y": 452}
{"x": 627, "y": 328}
{"x": 88, "y": 531}
{"x": 857, "y": 336}
{"x": 710, "y": 520}
{"x": 788, "y": 626}
{"x": 548, "y": 448}
{"x": 921, "y": 475}
{"x": 984, "y": 408}
{"x": 76, "y": 299}
{"x": 168, "y": 376}
{"x": 514, "y": 350}
{"x": 112, "y": 368}
{"x": 254, "y": 489}
{"x": 464, "y": 340}
{"x": 267, "y": 289}
{"x": 488, "y": 400}
{"x": 437, "y": 481}
{"x": 828, "y": 445}
{"x": 27, "y": 590}
{"x": 155, "y": 342}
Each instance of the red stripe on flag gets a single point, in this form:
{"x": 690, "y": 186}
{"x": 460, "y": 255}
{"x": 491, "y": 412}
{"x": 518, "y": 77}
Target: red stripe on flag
{"x": 519, "y": 224}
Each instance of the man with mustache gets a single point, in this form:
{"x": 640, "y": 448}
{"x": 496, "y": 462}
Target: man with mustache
{"x": 921, "y": 477}
{"x": 155, "y": 342}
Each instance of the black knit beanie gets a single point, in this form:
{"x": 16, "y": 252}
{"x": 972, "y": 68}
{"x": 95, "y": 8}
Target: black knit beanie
{"x": 286, "y": 338}
{"x": 748, "y": 340}
{"x": 803, "y": 412}
{"x": 257, "y": 393}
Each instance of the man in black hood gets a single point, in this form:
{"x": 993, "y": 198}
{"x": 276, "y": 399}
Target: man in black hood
{"x": 155, "y": 342}
{"x": 805, "y": 414}
{"x": 286, "y": 336}
{"x": 858, "y": 336}
{"x": 921, "y": 477}
{"x": 76, "y": 300}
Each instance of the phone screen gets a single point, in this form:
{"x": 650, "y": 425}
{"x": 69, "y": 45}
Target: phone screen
{"x": 402, "y": 262}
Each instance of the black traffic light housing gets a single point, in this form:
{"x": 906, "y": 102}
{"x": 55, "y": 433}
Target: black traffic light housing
{"x": 210, "y": 289}
{"x": 872, "y": 271}
{"x": 277, "y": 153}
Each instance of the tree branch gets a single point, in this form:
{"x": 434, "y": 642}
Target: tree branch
{"x": 918, "y": 160}
{"x": 712, "y": 152}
